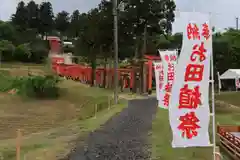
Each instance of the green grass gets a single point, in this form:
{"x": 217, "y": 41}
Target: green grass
{"x": 58, "y": 140}
{"x": 162, "y": 136}
{"x": 76, "y": 100}
{"x": 5, "y": 81}
{"x": 22, "y": 65}
{"x": 230, "y": 97}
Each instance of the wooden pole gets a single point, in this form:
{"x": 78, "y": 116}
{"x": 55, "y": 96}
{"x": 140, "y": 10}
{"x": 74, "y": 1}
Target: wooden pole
{"x": 18, "y": 144}
{"x": 109, "y": 102}
{"x": 217, "y": 153}
{"x": 95, "y": 110}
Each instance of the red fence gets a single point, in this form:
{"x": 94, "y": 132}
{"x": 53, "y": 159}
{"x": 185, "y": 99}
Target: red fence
{"x": 84, "y": 74}
{"x": 229, "y": 142}
{"x": 127, "y": 77}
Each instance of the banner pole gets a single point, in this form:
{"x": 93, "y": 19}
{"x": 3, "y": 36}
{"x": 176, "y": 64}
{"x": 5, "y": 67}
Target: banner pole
{"x": 219, "y": 83}
{"x": 213, "y": 100}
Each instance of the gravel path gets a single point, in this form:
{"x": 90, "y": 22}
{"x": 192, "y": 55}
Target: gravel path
{"x": 123, "y": 137}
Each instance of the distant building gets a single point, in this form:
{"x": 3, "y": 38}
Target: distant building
{"x": 55, "y": 44}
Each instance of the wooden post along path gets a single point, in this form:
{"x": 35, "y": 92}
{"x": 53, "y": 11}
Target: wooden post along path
{"x": 18, "y": 144}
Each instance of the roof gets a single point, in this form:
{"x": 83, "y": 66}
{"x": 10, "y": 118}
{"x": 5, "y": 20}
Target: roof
{"x": 53, "y": 38}
{"x": 151, "y": 57}
{"x": 230, "y": 74}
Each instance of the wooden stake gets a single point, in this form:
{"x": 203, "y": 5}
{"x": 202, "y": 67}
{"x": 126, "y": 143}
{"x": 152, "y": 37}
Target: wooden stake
{"x": 1, "y": 156}
{"x": 109, "y": 102}
{"x": 24, "y": 157}
{"x": 95, "y": 110}
{"x": 217, "y": 153}
{"x": 18, "y": 144}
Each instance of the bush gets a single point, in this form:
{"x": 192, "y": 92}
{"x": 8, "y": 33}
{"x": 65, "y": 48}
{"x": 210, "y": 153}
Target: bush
{"x": 39, "y": 51}
{"x": 38, "y": 86}
{"x": 34, "y": 52}
{"x": 6, "y": 50}
{"x": 31, "y": 86}
{"x": 22, "y": 53}
{"x": 5, "y": 81}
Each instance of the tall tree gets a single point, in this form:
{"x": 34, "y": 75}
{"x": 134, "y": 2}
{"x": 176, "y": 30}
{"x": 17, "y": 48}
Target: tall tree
{"x": 143, "y": 18}
{"x": 62, "y": 22}
{"x": 106, "y": 36}
{"x": 20, "y": 18}
{"x": 6, "y": 31}
{"x": 46, "y": 18}
{"x": 105, "y": 26}
{"x": 75, "y": 24}
{"x": 33, "y": 15}
{"x": 89, "y": 43}
{"x": 151, "y": 16}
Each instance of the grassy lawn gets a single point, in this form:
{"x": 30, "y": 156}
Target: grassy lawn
{"x": 50, "y": 127}
{"x": 230, "y": 97}
{"x": 162, "y": 136}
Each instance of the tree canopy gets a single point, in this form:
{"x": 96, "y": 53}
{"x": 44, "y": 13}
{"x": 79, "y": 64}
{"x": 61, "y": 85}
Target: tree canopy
{"x": 144, "y": 27}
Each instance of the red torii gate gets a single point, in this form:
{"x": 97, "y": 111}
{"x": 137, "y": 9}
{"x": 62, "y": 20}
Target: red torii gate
{"x": 149, "y": 59}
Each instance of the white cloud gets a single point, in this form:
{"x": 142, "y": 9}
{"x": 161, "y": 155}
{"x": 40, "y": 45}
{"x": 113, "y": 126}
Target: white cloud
{"x": 224, "y": 12}
{"x": 6, "y": 8}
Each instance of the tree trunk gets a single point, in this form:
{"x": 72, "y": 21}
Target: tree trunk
{"x": 105, "y": 72}
{"x": 93, "y": 66}
{"x": 144, "y": 50}
{"x": 136, "y": 48}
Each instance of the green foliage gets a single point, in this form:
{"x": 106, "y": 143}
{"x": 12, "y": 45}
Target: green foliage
{"x": 33, "y": 15}
{"x": 30, "y": 86}
{"x": 62, "y": 22}
{"x": 36, "y": 51}
{"x": 20, "y": 18}
{"x": 39, "y": 51}
{"x": 46, "y": 18}
{"x": 39, "y": 86}
{"x": 6, "y": 31}
{"x": 6, "y": 50}
{"x": 226, "y": 50}
{"x": 6, "y": 82}
{"x": 75, "y": 24}
{"x": 22, "y": 53}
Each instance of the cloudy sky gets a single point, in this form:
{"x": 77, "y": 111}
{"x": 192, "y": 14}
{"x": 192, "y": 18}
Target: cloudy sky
{"x": 223, "y": 12}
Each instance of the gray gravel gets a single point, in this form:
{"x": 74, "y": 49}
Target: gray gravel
{"x": 123, "y": 137}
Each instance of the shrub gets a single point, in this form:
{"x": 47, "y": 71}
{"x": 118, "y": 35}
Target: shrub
{"x": 39, "y": 51}
{"x": 5, "y": 81}
{"x": 35, "y": 51}
{"x": 31, "y": 86}
{"x": 38, "y": 86}
{"x": 6, "y": 50}
{"x": 22, "y": 53}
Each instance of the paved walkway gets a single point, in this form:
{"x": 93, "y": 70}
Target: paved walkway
{"x": 123, "y": 137}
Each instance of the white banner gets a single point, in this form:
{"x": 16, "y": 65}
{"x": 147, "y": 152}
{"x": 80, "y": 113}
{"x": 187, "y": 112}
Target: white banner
{"x": 159, "y": 78}
{"x": 189, "y": 113}
{"x": 237, "y": 85}
{"x": 169, "y": 61}
{"x": 219, "y": 81}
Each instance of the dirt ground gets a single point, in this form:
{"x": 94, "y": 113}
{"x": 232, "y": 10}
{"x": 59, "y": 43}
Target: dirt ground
{"x": 49, "y": 125}
{"x": 32, "y": 116}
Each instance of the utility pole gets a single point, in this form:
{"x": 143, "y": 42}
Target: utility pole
{"x": 143, "y": 63}
{"x": 237, "y": 23}
{"x": 115, "y": 25}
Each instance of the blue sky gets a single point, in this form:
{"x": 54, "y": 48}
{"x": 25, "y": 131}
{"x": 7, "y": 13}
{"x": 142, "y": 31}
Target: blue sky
{"x": 223, "y": 12}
